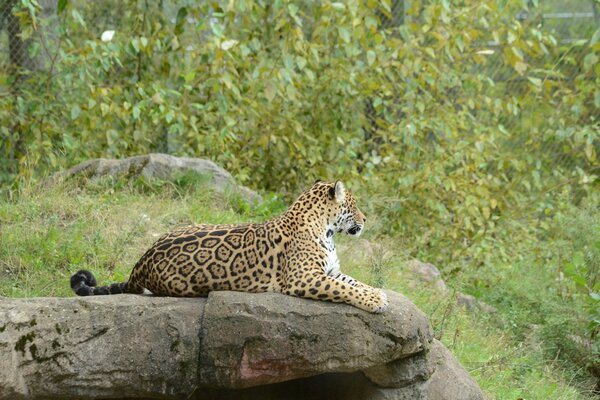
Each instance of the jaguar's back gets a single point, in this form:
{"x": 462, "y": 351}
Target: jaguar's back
{"x": 194, "y": 260}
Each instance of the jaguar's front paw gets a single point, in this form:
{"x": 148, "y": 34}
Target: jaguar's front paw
{"x": 382, "y": 304}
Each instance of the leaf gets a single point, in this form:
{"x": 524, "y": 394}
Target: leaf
{"x": 135, "y": 43}
{"x": 189, "y": 76}
{"x": 226, "y": 79}
{"x": 344, "y": 33}
{"x": 288, "y": 61}
{"x": 68, "y": 141}
{"x": 157, "y": 98}
{"x": 430, "y": 52}
{"x": 169, "y": 117}
{"x": 301, "y": 62}
{"x": 180, "y": 20}
{"x": 590, "y": 152}
{"x": 569, "y": 270}
{"x": 536, "y": 81}
{"x": 78, "y": 17}
{"x": 291, "y": 92}
{"x": 517, "y": 52}
{"x": 270, "y": 90}
{"x": 595, "y": 38}
{"x": 486, "y": 212}
{"x": 579, "y": 281}
{"x": 386, "y": 6}
{"x": 589, "y": 61}
{"x": 217, "y": 28}
{"x": 371, "y": 57}
{"x": 228, "y": 44}
{"x": 460, "y": 43}
{"x": 293, "y": 9}
{"x": 520, "y": 67}
{"x": 62, "y": 4}
{"x": 371, "y": 22}
{"x": 75, "y": 111}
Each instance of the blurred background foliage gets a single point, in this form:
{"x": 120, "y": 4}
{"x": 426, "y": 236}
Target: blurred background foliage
{"x": 470, "y": 128}
{"x": 462, "y": 116}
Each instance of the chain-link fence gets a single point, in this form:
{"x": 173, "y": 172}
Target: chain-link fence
{"x": 25, "y": 45}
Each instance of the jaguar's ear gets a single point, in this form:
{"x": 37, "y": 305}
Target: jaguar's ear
{"x": 317, "y": 181}
{"x": 337, "y": 192}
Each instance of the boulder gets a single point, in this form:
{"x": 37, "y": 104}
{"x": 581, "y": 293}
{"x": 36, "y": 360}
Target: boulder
{"x": 160, "y": 166}
{"x": 450, "y": 380}
{"x": 429, "y": 274}
{"x": 229, "y": 345}
{"x": 107, "y": 346}
{"x": 402, "y": 372}
{"x": 251, "y": 340}
{"x": 472, "y": 304}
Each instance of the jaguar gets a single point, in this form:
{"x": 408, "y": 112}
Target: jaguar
{"x": 293, "y": 254}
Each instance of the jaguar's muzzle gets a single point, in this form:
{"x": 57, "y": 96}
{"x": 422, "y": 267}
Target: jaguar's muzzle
{"x": 355, "y": 230}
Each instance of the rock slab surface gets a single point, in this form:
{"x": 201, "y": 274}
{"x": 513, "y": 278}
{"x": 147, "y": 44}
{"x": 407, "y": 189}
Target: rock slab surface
{"x": 109, "y": 346}
{"x": 251, "y": 340}
{"x": 230, "y": 345}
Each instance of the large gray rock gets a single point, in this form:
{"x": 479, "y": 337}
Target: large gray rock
{"x": 450, "y": 380}
{"x": 229, "y": 345}
{"x": 109, "y": 346}
{"x": 160, "y": 166}
{"x": 251, "y": 340}
{"x": 402, "y": 372}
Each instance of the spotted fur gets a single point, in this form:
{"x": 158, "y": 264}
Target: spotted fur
{"x": 292, "y": 254}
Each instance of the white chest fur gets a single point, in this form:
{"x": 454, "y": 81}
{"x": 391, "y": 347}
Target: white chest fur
{"x": 332, "y": 268}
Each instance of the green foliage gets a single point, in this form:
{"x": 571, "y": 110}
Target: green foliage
{"x": 461, "y": 144}
{"x": 549, "y": 297}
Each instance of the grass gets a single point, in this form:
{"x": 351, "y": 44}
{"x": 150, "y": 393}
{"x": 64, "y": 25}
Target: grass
{"x": 505, "y": 365}
{"x": 47, "y": 232}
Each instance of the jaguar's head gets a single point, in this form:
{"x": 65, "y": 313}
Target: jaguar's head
{"x": 343, "y": 215}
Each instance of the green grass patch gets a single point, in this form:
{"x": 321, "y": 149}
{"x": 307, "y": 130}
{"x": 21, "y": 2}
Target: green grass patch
{"x": 49, "y": 232}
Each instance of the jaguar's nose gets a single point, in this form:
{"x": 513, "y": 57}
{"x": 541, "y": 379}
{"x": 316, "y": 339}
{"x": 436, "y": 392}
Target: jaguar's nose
{"x": 355, "y": 230}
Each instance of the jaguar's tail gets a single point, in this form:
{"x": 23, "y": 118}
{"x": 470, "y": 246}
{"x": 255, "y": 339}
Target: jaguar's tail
{"x": 84, "y": 284}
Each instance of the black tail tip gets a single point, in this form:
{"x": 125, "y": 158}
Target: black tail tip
{"x": 82, "y": 276}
